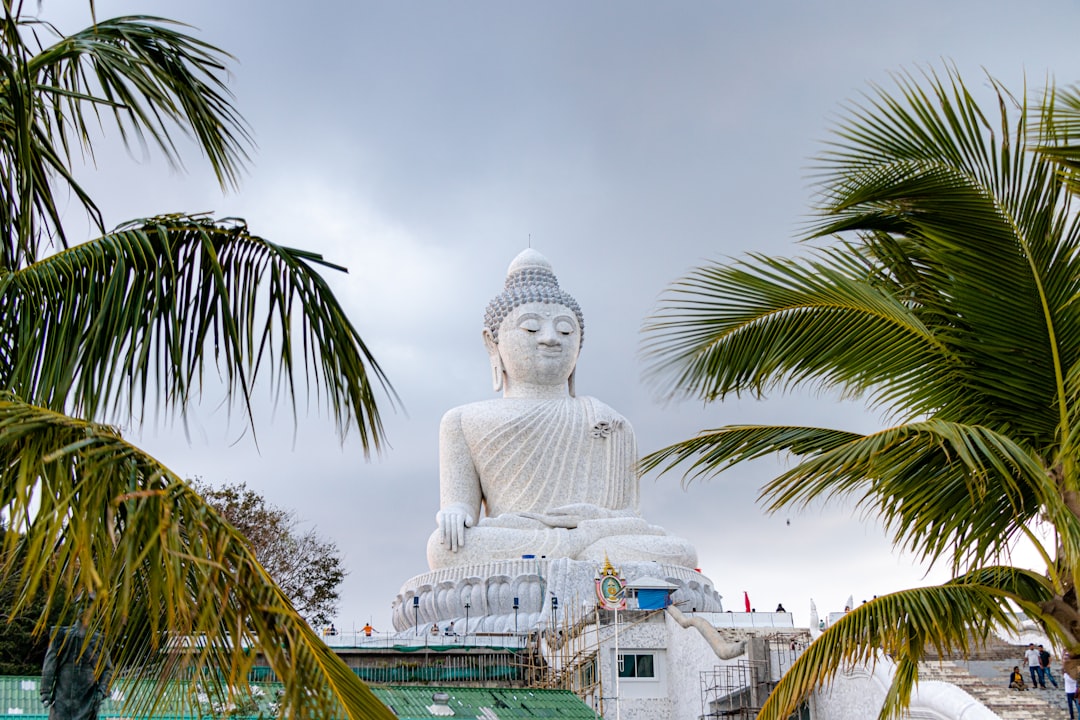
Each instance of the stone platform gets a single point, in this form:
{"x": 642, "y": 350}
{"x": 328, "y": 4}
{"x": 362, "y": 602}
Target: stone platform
{"x": 490, "y": 588}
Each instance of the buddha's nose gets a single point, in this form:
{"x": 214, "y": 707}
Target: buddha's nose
{"x": 548, "y": 336}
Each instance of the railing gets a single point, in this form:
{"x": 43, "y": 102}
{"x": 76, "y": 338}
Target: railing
{"x": 746, "y": 620}
{"x": 448, "y": 669}
{"x": 425, "y": 668}
{"x": 375, "y": 641}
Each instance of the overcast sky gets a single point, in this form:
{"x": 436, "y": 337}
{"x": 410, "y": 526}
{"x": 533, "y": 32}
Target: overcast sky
{"x": 423, "y": 144}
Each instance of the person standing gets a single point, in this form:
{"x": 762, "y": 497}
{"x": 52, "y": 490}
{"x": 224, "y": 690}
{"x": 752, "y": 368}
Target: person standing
{"x": 75, "y": 675}
{"x": 1031, "y": 657}
{"x": 1070, "y": 692}
{"x": 1044, "y": 663}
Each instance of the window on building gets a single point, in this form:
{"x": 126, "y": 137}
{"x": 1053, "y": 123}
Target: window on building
{"x": 636, "y": 665}
{"x": 585, "y": 676}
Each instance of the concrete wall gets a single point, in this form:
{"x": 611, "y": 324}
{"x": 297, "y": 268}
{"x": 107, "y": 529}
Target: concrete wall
{"x": 690, "y": 654}
{"x": 860, "y": 693}
{"x": 638, "y": 699}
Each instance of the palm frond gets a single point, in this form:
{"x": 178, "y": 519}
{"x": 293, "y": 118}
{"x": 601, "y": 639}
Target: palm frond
{"x": 943, "y": 490}
{"x": 940, "y": 212}
{"x": 954, "y": 297}
{"x": 171, "y": 587}
{"x": 954, "y": 617}
{"x": 711, "y": 452}
{"x": 150, "y": 77}
{"x": 1057, "y": 137}
{"x": 986, "y": 230}
{"x": 105, "y": 324}
{"x": 764, "y": 323}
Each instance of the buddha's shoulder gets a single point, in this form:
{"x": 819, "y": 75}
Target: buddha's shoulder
{"x": 595, "y": 405}
{"x": 502, "y": 408}
{"x": 457, "y": 414}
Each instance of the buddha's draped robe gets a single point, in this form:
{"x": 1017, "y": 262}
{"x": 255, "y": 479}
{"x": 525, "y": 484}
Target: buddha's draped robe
{"x": 557, "y": 478}
{"x": 569, "y": 452}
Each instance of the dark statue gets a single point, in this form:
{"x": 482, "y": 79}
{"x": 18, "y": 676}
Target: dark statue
{"x": 76, "y": 674}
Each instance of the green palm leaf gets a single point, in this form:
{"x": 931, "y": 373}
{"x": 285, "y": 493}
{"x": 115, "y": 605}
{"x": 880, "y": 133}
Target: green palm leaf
{"x": 174, "y": 588}
{"x": 950, "y": 618}
{"x": 133, "y": 318}
{"x": 946, "y": 294}
{"x": 148, "y": 74}
{"x": 919, "y": 313}
{"x": 766, "y": 323}
{"x": 103, "y": 324}
{"x": 144, "y": 72}
{"x": 1058, "y": 136}
{"x": 938, "y": 486}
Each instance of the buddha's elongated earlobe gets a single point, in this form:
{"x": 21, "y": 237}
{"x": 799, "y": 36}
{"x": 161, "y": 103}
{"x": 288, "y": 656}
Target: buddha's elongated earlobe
{"x": 570, "y": 383}
{"x": 497, "y": 371}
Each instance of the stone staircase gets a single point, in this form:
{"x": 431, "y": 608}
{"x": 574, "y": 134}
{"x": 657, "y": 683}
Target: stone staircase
{"x": 1007, "y": 704}
{"x": 984, "y": 676}
{"x": 993, "y": 649}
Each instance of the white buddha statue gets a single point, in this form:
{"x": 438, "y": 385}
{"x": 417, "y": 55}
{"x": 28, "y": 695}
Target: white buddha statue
{"x": 539, "y": 471}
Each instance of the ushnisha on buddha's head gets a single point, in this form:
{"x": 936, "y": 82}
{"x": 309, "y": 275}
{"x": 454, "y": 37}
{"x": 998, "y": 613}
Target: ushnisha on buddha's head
{"x": 533, "y": 331}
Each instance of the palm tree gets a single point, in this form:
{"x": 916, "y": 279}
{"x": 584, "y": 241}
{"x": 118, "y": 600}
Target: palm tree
{"x": 943, "y": 290}
{"x": 102, "y": 329}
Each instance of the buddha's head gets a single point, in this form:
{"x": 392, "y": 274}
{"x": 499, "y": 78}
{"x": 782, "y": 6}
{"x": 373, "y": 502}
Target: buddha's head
{"x": 533, "y": 329}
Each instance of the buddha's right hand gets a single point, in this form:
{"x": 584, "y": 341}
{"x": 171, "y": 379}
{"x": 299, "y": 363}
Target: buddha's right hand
{"x": 452, "y": 521}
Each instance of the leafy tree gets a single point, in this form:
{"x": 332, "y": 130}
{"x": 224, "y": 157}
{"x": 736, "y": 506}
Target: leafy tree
{"x": 943, "y": 290}
{"x": 136, "y": 316}
{"x": 306, "y": 566}
{"x": 22, "y": 650}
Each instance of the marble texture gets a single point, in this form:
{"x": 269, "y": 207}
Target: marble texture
{"x": 540, "y": 471}
{"x": 490, "y": 589}
{"x": 716, "y": 642}
{"x": 691, "y": 652}
{"x": 859, "y": 693}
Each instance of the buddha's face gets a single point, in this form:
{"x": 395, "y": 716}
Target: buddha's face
{"x": 539, "y": 344}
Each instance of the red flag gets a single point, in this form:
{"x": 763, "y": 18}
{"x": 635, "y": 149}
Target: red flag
{"x": 747, "y": 599}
